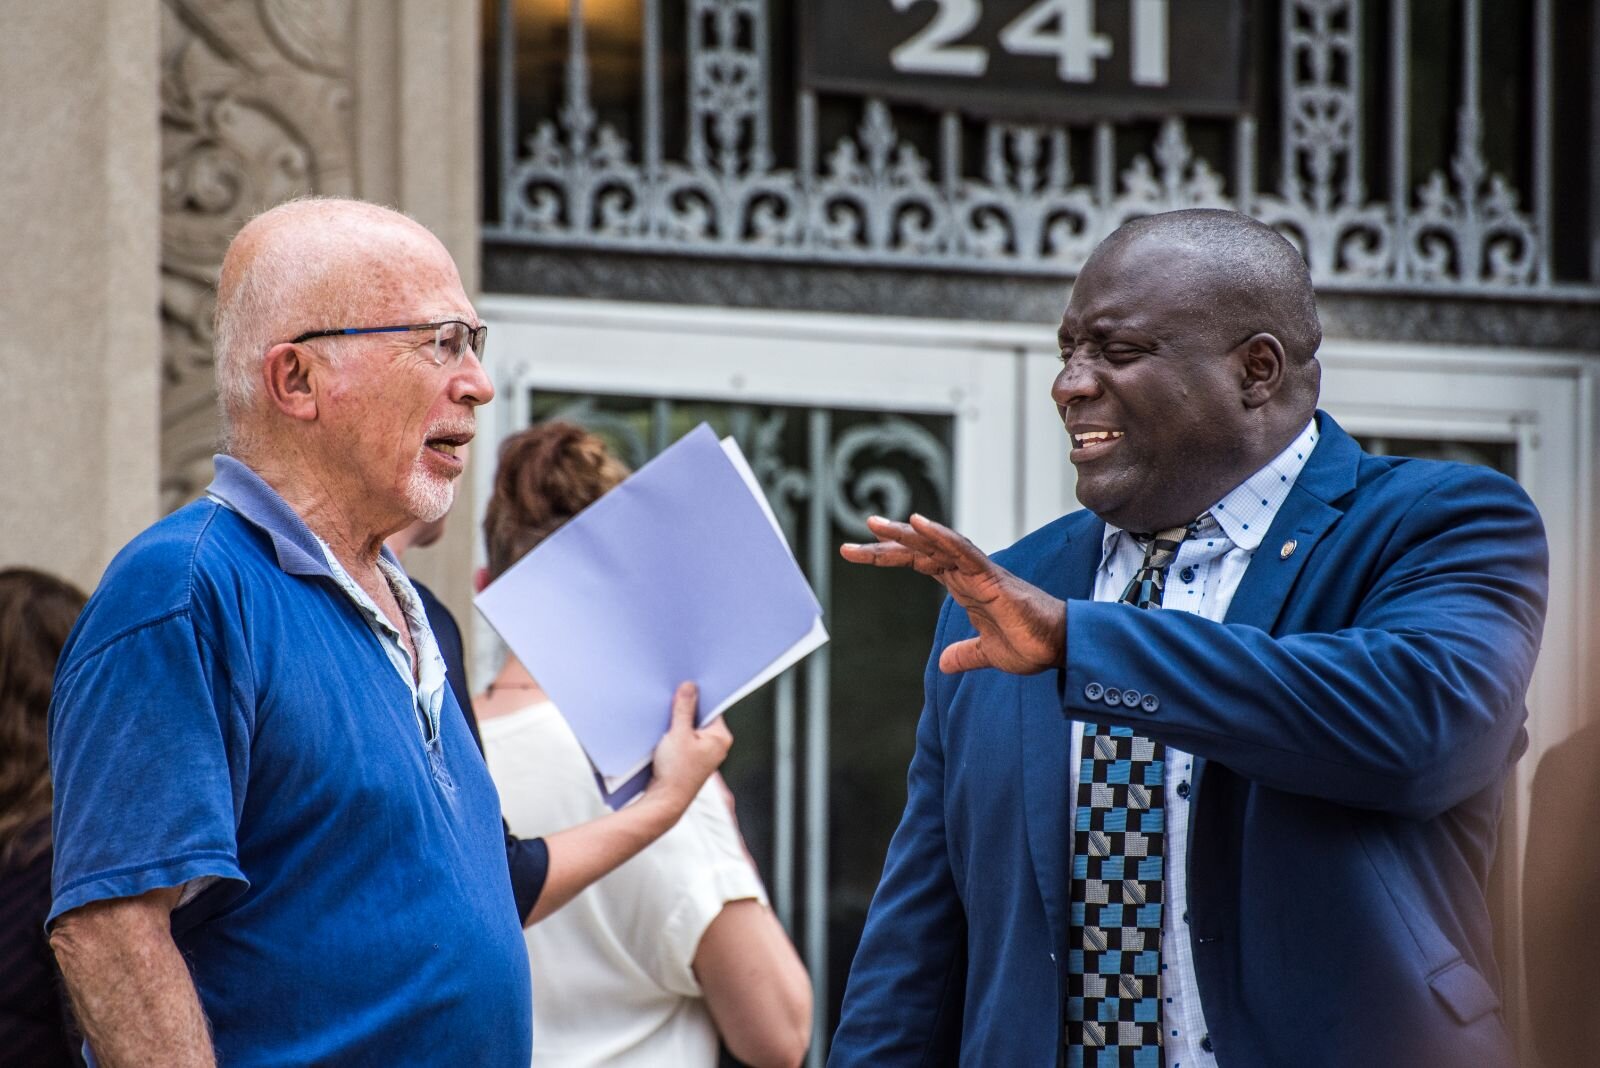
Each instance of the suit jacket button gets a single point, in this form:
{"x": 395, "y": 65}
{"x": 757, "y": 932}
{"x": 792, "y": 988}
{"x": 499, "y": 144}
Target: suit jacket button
{"x": 1150, "y": 702}
{"x": 1131, "y": 698}
{"x": 1094, "y": 691}
{"x": 1205, "y": 1043}
{"x": 1113, "y": 696}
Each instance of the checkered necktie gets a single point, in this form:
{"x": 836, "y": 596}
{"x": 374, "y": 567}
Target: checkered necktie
{"x": 1114, "y": 955}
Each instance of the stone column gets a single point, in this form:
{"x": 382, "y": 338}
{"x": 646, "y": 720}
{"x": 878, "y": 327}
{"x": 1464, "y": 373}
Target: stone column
{"x": 256, "y": 107}
{"x": 139, "y": 136}
{"x": 80, "y": 344}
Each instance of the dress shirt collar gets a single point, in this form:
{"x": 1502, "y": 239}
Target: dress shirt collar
{"x": 1246, "y": 511}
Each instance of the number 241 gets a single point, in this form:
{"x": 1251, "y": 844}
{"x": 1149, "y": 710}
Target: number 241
{"x": 1072, "y": 40}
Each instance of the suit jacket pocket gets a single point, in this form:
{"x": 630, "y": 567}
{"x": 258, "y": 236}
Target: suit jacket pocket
{"x": 1464, "y": 992}
{"x": 1455, "y": 982}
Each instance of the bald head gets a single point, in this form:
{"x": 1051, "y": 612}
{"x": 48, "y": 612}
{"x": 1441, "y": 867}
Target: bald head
{"x": 1257, "y": 281}
{"x": 1188, "y": 362}
{"x": 312, "y": 264}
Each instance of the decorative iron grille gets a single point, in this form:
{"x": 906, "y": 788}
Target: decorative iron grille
{"x": 1431, "y": 148}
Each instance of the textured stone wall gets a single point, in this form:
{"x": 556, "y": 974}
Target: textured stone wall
{"x": 139, "y": 137}
{"x": 79, "y": 351}
{"x": 256, "y": 108}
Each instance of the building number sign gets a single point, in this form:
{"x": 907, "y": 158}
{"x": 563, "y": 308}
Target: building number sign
{"x": 1061, "y": 59}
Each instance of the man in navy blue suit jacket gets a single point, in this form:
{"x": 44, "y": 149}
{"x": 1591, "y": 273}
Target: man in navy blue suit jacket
{"x": 1344, "y": 729}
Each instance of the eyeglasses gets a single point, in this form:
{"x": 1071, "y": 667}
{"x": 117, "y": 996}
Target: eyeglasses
{"x": 451, "y": 338}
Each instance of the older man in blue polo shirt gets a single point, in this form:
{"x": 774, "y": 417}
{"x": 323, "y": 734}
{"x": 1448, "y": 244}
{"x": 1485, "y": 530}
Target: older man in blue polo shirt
{"x": 275, "y": 841}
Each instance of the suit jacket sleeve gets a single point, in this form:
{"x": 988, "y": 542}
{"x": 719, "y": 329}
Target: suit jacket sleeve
{"x": 903, "y": 1003}
{"x": 1412, "y": 707}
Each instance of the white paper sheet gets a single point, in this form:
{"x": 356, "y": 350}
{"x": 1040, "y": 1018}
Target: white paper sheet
{"x": 681, "y": 572}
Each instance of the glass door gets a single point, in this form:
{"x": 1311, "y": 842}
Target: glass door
{"x": 840, "y": 418}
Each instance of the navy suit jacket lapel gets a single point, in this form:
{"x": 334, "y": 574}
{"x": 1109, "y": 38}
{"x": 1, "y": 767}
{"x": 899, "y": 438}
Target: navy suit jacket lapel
{"x": 1309, "y": 511}
{"x": 1046, "y": 733}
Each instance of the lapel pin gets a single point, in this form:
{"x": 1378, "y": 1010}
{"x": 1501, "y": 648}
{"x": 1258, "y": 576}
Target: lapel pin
{"x": 1288, "y": 549}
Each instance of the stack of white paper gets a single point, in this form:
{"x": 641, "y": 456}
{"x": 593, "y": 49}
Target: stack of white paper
{"x": 680, "y": 573}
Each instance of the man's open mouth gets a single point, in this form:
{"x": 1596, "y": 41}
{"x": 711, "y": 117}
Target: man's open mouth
{"x": 1089, "y": 445}
{"x": 448, "y": 444}
{"x": 1095, "y": 437}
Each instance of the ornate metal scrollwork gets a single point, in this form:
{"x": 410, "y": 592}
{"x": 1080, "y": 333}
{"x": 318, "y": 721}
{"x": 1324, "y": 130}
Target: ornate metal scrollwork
{"x": 880, "y": 488}
{"x": 784, "y": 484}
{"x": 1474, "y": 229}
{"x": 869, "y": 469}
{"x": 1322, "y": 202}
{"x": 256, "y": 102}
{"x": 875, "y": 196}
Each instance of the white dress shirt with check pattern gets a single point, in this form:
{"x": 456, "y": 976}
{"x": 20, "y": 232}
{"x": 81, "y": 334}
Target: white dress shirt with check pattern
{"x": 1202, "y": 579}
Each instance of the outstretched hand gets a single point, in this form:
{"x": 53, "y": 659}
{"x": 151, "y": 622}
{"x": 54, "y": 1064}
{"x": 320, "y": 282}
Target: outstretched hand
{"x": 1021, "y": 629}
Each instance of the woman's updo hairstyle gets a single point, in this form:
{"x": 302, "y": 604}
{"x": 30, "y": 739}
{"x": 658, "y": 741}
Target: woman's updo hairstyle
{"x": 547, "y": 474}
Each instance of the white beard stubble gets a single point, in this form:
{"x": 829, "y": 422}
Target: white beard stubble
{"x": 428, "y": 496}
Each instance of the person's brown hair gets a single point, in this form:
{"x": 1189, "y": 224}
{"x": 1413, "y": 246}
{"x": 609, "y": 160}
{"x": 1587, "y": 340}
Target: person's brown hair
{"x": 547, "y": 474}
{"x": 36, "y": 614}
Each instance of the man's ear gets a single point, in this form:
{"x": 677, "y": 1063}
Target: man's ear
{"x": 480, "y": 579}
{"x": 1264, "y": 366}
{"x": 288, "y": 375}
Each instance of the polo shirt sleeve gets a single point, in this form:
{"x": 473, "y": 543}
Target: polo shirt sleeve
{"x": 149, "y": 748}
{"x": 701, "y": 866}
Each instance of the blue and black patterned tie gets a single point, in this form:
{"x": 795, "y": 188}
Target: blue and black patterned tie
{"x": 1113, "y": 1009}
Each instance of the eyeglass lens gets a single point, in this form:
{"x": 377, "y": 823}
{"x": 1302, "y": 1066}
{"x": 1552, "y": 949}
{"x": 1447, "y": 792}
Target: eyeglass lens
{"x": 454, "y": 338}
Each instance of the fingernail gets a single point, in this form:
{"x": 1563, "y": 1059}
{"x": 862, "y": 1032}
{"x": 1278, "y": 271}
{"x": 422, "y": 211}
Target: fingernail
{"x": 686, "y": 689}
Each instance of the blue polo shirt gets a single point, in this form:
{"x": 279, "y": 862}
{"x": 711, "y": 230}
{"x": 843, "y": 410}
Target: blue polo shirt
{"x": 227, "y": 717}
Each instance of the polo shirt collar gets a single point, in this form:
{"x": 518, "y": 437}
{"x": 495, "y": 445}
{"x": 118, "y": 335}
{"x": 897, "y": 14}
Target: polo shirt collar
{"x": 1245, "y": 512}
{"x": 299, "y": 551}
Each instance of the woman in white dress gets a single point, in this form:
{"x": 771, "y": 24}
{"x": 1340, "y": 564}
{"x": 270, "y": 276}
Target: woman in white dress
{"x": 677, "y": 948}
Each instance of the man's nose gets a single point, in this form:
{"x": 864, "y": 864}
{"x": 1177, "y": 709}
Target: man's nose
{"x": 1074, "y": 382}
{"x": 471, "y": 384}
